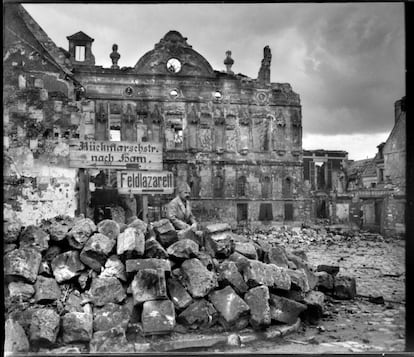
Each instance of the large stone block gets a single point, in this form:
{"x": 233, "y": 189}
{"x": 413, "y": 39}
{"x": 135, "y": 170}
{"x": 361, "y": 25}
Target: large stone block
{"x": 201, "y": 314}
{"x": 77, "y": 327}
{"x": 258, "y": 300}
{"x": 34, "y": 237}
{"x": 315, "y": 302}
{"x": 258, "y": 273}
{"x": 218, "y": 227}
{"x": 138, "y": 224}
{"x": 230, "y": 306}
{"x": 73, "y": 302}
{"x": 206, "y": 259}
{"x": 106, "y": 290}
{"x": 158, "y": 317}
{"x": 58, "y": 227}
{"x": 131, "y": 241}
{"x": 198, "y": 280}
{"x": 299, "y": 279}
{"x": 219, "y": 245}
{"x": 80, "y": 233}
{"x": 22, "y": 263}
{"x": 114, "y": 268}
{"x": 21, "y": 291}
{"x": 179, "y": 296}
{"x": 153, "y": 249}
{"x": 325, "y": 281}
{"x": 96, "y": 250}
{"x": 111, "y": 341}
{"x": 163, "y": 226}
{"x": 344, "y": 287}
{"x": 134, "y": 265}
{"x": 330, "y": 269}
{"x": 109, "y": 316}
{"x": 109, "y": 228}
{"x": 228, "y": 274}
{"x": 11, "y": 231}
{"x": 44, "y": 326}
{"x": 52, "y": 253}
{"x": 277, "y": 255}
{"x": 66, "y": 266}
{"x": 285, "y": 310}
{"x": 183, "y": 249}
{"x": 240, "y": 260}
{"x": 168, "y": 238}
{"x": 149, "y": 284}
{"x": 47, "y": 290}
{"x": 246, "y": 249}
{"x": 15, "y": 339}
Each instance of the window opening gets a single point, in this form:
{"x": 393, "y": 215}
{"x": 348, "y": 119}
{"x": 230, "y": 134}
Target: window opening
{"x": 80, "y": 53}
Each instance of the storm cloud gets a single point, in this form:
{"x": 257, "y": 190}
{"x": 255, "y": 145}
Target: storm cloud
{"x": 346, "y": 61}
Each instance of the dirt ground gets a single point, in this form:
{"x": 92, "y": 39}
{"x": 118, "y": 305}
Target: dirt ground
{"x": 357, "y": 325}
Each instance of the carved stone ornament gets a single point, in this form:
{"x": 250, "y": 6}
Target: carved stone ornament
{"x": 129, "y": 116}
{"x": 115, "y": 56}
{"x": 101, "y": 115}
{"x": 280, "y": 119}
{"x": 218, "y": 117}
{"x": 244, "y": 118}
{"x": 173, "y": 42}
{"x": 192, "y": 116}
{"x": 156, "y": 115}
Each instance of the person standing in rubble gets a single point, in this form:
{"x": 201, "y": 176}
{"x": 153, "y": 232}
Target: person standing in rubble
{"x": 179, "y": 210}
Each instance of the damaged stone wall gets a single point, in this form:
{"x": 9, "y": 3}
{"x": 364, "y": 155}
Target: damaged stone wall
{"x": 38, "y": 120}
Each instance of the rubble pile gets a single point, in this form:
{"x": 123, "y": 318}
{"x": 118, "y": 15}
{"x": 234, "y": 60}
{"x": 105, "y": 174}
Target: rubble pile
{"x": 308, "y": 235}
{"x": 77, "y": 286}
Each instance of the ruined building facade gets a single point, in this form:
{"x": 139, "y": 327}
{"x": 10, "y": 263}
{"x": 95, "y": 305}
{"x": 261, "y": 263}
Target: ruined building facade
{"x": 237, "y": 141}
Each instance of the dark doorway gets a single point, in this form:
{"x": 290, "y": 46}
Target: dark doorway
{"x": 288, "y": 211}
{"x": 378, "y": 212}
{"x": 242, "y": 212}
{"x": 321, "y": 208}
{"x": 265, "y": 212}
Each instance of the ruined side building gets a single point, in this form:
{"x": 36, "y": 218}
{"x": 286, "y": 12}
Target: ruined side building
{"x": 237, "y": 141}
{"x": 369, "y": 193}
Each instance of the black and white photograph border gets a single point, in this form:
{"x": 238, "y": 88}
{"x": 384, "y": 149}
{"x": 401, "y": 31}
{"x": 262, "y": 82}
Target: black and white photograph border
{"x": 205, "y": 178}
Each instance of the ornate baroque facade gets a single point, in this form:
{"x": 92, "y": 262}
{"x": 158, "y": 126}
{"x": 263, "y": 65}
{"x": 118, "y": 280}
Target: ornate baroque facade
{"x": 237, "y": 141}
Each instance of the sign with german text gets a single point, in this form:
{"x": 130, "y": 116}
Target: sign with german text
{"x": 145, "y": 182}
{"x": 115, "y": 154}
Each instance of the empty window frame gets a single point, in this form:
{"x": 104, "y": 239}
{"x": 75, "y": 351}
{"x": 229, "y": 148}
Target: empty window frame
{"x": 80, "y": 53}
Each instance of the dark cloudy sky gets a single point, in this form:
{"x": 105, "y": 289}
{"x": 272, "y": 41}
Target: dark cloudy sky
{"x": 346, "y": 61}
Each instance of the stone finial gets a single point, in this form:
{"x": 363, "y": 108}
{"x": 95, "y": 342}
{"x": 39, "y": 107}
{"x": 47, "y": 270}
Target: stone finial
{"x": 264, "y": 72}
{"x": 228, "y": 61}
{"x": 115, "y": 56}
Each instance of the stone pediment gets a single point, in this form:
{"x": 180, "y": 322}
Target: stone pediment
{"x": 172, "y": 55}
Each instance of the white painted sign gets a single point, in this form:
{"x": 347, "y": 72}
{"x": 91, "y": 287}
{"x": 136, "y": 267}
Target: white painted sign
{"x": 115, "y": 154}
{"x": 145, "y": 182}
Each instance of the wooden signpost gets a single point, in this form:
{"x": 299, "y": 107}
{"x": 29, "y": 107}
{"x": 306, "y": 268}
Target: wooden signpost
{"x": 115, "y": 154}
{"x": 145, "y": 182}
{"x": 138, "y": 165}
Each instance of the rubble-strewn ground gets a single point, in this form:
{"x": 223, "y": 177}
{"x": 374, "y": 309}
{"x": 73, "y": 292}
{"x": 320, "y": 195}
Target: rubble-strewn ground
{"x": 352, "y": 325}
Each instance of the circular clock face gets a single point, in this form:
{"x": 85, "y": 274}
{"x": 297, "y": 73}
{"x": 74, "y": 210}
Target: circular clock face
{"x": 173, "y": 65}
